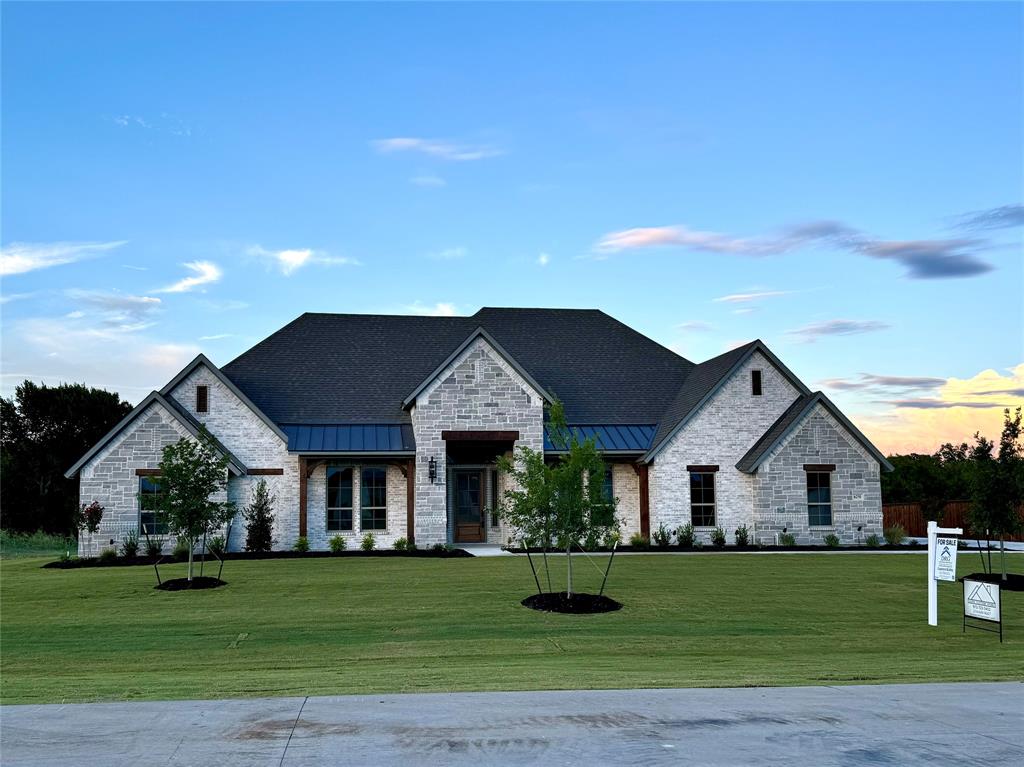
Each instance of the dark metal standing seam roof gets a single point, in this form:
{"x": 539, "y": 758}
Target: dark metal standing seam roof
{"x": 611, "y": 437}
{"x": 350, "y": 438}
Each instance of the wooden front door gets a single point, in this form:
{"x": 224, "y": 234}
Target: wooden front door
{"x": 469, "y": 506}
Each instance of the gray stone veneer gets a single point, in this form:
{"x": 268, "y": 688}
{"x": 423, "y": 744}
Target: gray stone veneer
{"x": 478, "y": 391}
{"x": 720, "y": 433}
{"x": 781, "y": 484}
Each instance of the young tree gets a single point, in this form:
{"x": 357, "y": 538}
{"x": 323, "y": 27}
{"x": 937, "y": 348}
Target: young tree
{"x": 998, "y": 486}
{"x": 558, "y": 503}
{"x": 259, "y": 519}
{"x": 192, "y": 471}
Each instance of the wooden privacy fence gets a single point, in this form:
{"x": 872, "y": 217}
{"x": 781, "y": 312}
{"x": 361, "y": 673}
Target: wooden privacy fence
{"x": 909, "y": 516}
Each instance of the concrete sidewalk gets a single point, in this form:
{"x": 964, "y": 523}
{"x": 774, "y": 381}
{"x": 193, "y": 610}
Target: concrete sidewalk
{"x": 860, "y": 725}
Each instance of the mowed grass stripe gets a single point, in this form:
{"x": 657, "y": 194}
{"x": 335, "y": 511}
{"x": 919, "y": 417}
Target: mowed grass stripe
{"x": 328, "y": 626}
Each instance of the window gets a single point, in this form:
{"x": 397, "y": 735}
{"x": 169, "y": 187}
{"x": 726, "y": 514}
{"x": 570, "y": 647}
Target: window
{"x": 339, "y": 498}
{"x": 607, "y": 490}
{"x": 755, "y": 382}
{"x": 149, "y": 521}
{"x": 702, "y": 498}
{"x": 373, "y": 499}
{"x": 819, "y": 499}
{"x": 202, "y": 399}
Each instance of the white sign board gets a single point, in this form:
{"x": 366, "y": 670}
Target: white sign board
{"x": 945, "y": 559}
{"x": 981, "y": 600}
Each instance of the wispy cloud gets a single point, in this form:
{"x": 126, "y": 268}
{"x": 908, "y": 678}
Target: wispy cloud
{"x": 449, "y": 254}
{"x": 695, "y": 326}
{"x": 227, "y": 305}
{"x": 7, "y": 298}
{"x": 924, "y": 403}
{"x": 163, "y": 123}
{"x": 923, "y": 259}
{"x": 742, "y": 298}
{"x": 872, "y": 381}
{"x": 121, "y": 311}
{"x": 290, "y": 260}
{"x": 440, "y": 309}
{"x": 543, "y": 259}
{"x": 204, "y": 273}
{"x": 1003, "y": 217}
{"x": 814, "y": 331}
{"x": 216, "y": 337}
{"x": 428, "y": 181}
{"x": 21, "y": 257}
{"x": 439, "y": 148}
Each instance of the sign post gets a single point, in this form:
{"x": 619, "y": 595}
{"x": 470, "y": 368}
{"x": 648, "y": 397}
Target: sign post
{"x": 941, "y": 564}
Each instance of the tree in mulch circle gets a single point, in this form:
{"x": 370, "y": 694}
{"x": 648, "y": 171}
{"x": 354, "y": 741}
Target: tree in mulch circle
{"x": 998, "y": 484}
{"x": 192, "y": 473}
{"x": 558, "y": 505}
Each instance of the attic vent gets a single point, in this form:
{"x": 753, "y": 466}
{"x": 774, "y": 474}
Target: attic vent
{"x": 202, "y": 399}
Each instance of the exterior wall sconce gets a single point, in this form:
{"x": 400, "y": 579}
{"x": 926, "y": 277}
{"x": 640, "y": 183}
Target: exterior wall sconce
{"x": 432, "y": 470}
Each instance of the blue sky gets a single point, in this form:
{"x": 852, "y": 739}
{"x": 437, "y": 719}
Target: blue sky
{"x": 843, "y": 181}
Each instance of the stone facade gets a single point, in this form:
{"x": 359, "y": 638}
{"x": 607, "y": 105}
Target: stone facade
{"x": 481, "y": 391}
{"x": 110, "y": 477}
{"x": 780, "y": 497}
{"x": 255, "y": 444}
{"x": 720, "y": 433}
{"x": 478, "y": 391}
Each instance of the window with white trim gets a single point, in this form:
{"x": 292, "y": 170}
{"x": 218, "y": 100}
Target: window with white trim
{"x": 373, "y": 498}
{"x": 339, "y": 498}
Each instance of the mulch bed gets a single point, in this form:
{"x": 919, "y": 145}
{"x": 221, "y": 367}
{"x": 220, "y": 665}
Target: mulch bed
{"x": 184, "y": 584}
{"x": 71, "y": 564}
{"x": 1013, "y": 582}
{"x": 577, "y": 604}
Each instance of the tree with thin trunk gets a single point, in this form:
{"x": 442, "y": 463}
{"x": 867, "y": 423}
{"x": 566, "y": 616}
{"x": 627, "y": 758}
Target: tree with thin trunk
{"x": 192, "y": 473}
{"x": 560, "y": 503}
{"x": 998, "y": 483}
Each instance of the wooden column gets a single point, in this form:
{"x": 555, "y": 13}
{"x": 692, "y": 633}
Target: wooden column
{"x": 410, "y": 501}
{"x": 303, "y": 479}
{"x": 645, "y": 502}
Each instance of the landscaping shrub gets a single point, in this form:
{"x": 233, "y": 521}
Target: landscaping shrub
{"x": 108, "y": 556}
{"x": 337, "y": 544}
{"x": 662, "y": 537}
{"x": 217, "y": 545}
{"x": 612, "y": 538}
{"x": 742, "y": 536}
{"x": 130, "y": 545}
{"x": 638, "y": 541}
{"x": 153, "y": 547}
{"x": 895, "y": 535}
{"x": 831, "y": 540}
{"x": 368, "y": 542}
{"x": 401, "y": 544}
{"x": 685, "y": 536}
{"x": 301, "y": 544}
{"x": 181, "y": 549}
{"x": 411, "y": 546}
{"x": 259, "y": 519}
{"x": 592, "y": 542}
{"x": 787, "y": 539}
{"x": 718, "y": 537}
{"x": 439, "y": 547}
{"x": 872, "y": 541}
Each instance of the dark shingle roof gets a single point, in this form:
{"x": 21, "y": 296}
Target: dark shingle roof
{"x": 358, "y": 368}
{"x": 792, "y": 418}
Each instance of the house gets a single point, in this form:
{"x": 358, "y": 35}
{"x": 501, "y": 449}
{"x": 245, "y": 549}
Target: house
{"x": 392, "y": 425}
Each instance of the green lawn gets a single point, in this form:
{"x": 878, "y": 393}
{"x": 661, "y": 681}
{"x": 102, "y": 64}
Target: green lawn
{"x": 375, "y": 625}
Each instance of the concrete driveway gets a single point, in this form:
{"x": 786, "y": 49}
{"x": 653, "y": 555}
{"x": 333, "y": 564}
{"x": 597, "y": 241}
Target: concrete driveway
{"x": 885, "y": 724}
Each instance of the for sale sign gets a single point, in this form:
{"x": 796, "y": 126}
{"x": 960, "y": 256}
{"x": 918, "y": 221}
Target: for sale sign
{"x": 945, "y": 559}
{"x": 981, "y": 600}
